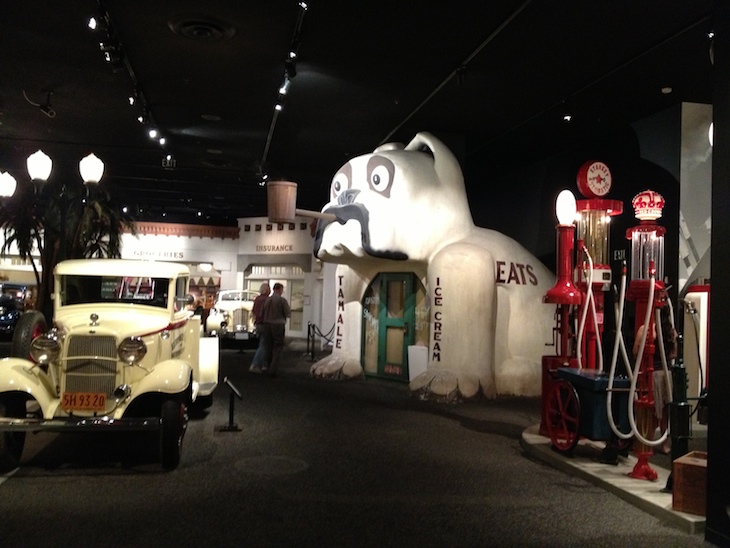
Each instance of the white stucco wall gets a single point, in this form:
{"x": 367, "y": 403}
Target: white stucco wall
{"x": 220, "y": 252}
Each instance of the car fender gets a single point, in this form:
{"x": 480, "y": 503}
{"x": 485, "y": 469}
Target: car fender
{"x": 168, "y": 377}
{"x": 16, "y": 375}
{"x": 208, "y": 358}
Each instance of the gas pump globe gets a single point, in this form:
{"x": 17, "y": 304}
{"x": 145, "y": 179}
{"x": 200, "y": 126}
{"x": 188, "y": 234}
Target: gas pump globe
{"x": 647, "y": 239}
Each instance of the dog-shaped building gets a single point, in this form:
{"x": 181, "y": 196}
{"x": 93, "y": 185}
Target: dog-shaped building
{"x": 414, "y": 271}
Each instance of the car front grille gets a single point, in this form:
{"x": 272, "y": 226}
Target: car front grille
{"x": 91, "y": 364}
{"x": 239, "y": 318}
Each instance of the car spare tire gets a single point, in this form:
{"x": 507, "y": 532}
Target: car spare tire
{"x": 30, "y": 325}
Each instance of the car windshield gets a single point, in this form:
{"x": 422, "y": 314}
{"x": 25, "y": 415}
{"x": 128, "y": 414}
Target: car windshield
{"x": 80, "y": 289}
{"x": 231, "y": 297}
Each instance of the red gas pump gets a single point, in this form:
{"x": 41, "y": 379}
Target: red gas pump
{"x": 647, "y": 291}
{"x": 594, "y": 273}
{"x": 579, "y": 346}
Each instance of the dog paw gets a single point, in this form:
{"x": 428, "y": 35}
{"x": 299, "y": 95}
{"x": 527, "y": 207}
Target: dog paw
{"x": 337, "y": 367}
{"x": 446, "y": 385}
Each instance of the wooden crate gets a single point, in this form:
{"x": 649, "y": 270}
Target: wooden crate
{"x": 689, "y": 490}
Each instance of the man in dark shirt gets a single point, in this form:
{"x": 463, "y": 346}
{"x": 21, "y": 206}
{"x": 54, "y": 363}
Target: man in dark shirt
{"x": 276, "y": 311}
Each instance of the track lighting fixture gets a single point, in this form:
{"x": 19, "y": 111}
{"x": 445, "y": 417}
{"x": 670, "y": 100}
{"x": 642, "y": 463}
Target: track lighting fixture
{"x": 290, "y": 71}
{"x": 113, "y": 52}
{"x": 290, "y": 68}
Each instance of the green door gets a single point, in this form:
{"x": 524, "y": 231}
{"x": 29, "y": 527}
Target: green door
{"x": 396, "y": 325}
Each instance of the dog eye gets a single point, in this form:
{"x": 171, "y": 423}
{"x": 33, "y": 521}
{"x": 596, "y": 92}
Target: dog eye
{"x": 380, "y": 175}
{"x": 340, "y": 183}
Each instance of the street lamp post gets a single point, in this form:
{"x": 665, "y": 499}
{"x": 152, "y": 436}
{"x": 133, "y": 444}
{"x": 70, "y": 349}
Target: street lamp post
{"x": 40, "y": 166}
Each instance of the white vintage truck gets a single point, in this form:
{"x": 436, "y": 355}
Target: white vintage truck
{"x": 124, "y": 354}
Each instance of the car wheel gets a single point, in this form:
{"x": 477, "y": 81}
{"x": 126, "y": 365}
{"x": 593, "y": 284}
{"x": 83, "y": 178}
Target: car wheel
{"x": 173, "y": 424}
{"x": 11, "y": 443}
{"x": 30, "y": 325}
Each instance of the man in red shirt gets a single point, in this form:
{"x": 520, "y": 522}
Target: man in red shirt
{"x": 258, "y": 364}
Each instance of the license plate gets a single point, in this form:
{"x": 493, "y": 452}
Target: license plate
{"x": 83, "y": 401}
{"x": 242, "y": 336}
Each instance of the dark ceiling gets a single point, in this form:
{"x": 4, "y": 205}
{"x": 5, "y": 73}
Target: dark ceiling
{"x": 498, "y": 75}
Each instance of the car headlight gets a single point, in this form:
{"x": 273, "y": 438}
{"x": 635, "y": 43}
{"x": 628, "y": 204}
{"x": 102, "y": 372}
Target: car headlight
{"x": 46, "y": 348}
{"x": 131, "y": 350}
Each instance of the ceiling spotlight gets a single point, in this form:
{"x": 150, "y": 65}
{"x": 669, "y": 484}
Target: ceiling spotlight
{"x": 92, "y": 23}
{"x": 163, "y": 141}
{"x": 284, "y": 89}
{"x": 143, "y": 118}
{"x": 303, "y": 5}
{"x": 567, "y": 118}
{"x": 152, "y": 133}
{"x": 666, "y": 90}
{"x": 46, "y": 109}
{"x": 278, "y": 107}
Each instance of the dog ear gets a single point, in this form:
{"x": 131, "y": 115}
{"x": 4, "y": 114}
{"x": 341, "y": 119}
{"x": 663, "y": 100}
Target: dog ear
{"x": 389, "y": 146}
{"x": 444, "y": 162}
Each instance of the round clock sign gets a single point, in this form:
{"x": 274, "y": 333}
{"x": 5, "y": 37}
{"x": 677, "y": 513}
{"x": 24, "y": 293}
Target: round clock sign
{"x": 594, "y": 179}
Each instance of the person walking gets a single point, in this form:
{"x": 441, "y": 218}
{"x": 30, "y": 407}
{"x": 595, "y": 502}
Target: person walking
{"x": 276, "y": 311}
{"x": 258, "y": 364}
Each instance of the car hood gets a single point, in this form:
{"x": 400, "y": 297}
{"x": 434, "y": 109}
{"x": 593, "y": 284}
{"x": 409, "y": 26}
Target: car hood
{"x": 118, "y": 321}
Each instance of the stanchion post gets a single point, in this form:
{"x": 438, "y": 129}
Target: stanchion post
{"x": 231, "y": 426}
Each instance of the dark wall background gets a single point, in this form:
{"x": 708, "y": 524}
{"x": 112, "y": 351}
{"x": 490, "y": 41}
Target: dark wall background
{"x": 521, "y": 203}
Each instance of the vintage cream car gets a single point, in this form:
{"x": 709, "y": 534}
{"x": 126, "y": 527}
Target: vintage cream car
{"x": 231, "y": 315}
{"x": 124, "y": 354}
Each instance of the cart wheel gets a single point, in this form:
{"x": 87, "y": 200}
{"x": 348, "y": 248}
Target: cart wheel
{"x": 563, "y": 416}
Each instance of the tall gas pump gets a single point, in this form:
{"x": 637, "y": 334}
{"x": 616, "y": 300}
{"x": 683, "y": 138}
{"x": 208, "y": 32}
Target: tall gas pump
{"x": 648, "y": 293}
{"x": 594, "y": 272}
{"x": 579, "y": 291}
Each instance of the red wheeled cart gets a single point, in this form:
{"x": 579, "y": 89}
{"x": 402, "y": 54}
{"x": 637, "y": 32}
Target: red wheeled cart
{"x": 576, "y": 407}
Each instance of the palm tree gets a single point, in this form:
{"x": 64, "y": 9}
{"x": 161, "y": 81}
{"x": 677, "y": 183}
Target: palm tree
{"x": 61, "y": 222}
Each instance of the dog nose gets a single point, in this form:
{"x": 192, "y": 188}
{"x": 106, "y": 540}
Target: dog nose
{"x": 347, "y": 197}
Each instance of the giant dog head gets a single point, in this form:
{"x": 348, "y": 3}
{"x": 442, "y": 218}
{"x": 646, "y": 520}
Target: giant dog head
{"x": 400, "y": 203}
